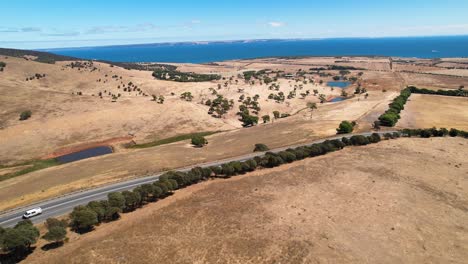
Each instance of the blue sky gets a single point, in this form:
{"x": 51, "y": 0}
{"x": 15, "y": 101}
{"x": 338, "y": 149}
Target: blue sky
{"x": 61, "y": 23}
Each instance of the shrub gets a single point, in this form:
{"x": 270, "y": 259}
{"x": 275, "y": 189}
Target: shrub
{"x": 261, "y": 147}
{"x": 345, "y": 128}
{"x": 25, "y": 115}
{"x": 199, "y": 141}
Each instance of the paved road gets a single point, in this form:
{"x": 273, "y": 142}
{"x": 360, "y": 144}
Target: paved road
{"x": 65, "y": 204}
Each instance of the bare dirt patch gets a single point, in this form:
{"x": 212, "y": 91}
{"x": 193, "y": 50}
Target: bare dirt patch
{"x": 401, "y": 201}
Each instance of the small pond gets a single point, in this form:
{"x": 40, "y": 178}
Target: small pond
{"x": 84, "y": 154}
{"x": 337, "y": 99}
{"x": 339, "y": 84}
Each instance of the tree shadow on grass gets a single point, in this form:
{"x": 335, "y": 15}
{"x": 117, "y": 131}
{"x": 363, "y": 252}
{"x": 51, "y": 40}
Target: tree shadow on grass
{"x": 15, "y": 257}
{"x": 52, "y": 245}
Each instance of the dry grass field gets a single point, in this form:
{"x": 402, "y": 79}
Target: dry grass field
{"x": 63, "y": 121}
{"x": 399, "y": 201}
{"x": 423, "y": 111}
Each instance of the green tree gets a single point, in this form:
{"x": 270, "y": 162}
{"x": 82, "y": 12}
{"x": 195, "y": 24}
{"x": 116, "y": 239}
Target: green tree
{"x": 116, "y": 199}
{"x": 266, "y": 118}
{"x": 199, "y": 141}
{"x": 19, "y": 239}
{"x": 83, "y": 219}
{"x": 322, "y": 98}
{"x": 25, "y": 115}
{"x": 132, "y": 200}
{"x": 261, "y": 147}
{"x": 98, "y": 208}
{"x": 55, "y": 234}
{"x": 345, "y": 127}
{"x": 276, "y": 114}
{"x": 311, "y": 106}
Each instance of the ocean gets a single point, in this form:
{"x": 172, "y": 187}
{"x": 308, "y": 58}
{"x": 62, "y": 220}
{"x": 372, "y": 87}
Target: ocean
{"x": 205, "y": 52}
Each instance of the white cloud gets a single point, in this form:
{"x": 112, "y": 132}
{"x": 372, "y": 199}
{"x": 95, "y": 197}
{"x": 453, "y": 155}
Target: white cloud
{"x": 275, "y": 24}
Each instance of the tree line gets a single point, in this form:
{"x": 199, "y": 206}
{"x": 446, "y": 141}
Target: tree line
{"x": 84, "y": 218}
{"x": 174, "y": 75}
{"x": 392, "y": 115}
{"x": 459, "y": 92}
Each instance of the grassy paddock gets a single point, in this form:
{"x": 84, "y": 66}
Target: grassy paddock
{"x": 33, "y": 165}
{"x": 172, "y": 139}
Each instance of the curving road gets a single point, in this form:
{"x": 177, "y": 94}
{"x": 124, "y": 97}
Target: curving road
{"x": 62, "y": 205}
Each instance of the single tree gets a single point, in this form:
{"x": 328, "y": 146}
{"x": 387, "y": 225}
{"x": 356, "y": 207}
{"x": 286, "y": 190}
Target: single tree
{"x": 345, "y": 127}
{"x": 25, "y": 115}
{"x": 311, "y": 106}
{"x": 56, "y": 234}
{"x": 199, "y": 141}
{"x": 83, "y": 218}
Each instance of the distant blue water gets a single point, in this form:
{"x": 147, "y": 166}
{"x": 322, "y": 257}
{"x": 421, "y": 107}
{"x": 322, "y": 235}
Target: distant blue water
{"x": 339, "y": 84}
{"x": 421, "y": 47}
{"x": 84, "y": 154}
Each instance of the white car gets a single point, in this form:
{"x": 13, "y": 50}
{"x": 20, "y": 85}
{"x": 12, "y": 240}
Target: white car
{"x": 32, "y": 213}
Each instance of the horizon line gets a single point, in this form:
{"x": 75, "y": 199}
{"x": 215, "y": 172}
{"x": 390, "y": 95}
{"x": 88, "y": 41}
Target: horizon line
{"x": 230, "y": 41}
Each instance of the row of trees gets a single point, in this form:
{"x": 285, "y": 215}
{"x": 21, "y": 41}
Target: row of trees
{"x": 173, "y": 75}
{"x": 85, "y": 217}
{"x": 391, "y": 116}
{"x": 458, "y": 92}
{"x": 434, "y": 132}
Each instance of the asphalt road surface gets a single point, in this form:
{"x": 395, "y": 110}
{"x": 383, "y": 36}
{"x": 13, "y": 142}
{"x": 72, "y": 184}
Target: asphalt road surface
{"x": 64, "y": 204}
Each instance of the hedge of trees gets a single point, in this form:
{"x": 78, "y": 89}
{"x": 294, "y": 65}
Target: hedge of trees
{"x": 85, "y": 217}
{"x": 434, "y": 132}
{"x": 391, "y": 116}
{"x": 458, "y": 92}
{"x": 173, "y": 75}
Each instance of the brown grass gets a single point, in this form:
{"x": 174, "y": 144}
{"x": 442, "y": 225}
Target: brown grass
{"x": 360, "y": 205}
{"x": 425, "y": 111}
